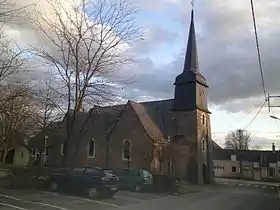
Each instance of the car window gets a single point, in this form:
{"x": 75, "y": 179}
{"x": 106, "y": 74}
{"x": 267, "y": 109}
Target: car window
{"x": 77, "y": 170}
{"x": 93, "y": 171}
{"x": 109, "y": 171}
{"x": 131, "y": 172}
{"x": 146, "y": 173}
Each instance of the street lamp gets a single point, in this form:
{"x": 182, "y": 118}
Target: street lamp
{"x": 274, "y": 117}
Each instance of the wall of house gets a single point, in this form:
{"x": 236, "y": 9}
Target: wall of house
{"x": 226, "y": 168}
{"x": 130, "y": 128}
{"x": 247, "y": 170}
{"x": 54, "y": 156}
{"x": 22, "y": 156}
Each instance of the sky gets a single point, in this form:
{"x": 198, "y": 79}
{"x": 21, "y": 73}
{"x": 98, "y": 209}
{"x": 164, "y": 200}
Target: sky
{"x": 227, "y": 58}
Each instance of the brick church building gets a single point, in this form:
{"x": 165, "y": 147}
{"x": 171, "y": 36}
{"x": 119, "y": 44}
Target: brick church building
{"x": 129, "y": 135}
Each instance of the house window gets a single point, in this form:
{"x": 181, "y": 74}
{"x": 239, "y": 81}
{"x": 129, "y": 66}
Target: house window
{"x": 271, "y": 171}
{"x": 21, "y": 154}
{"x": 233, "y": 169}
{"x": 62, "y": 149}
{"x": 126, "y": 150}
{"x": 233, "y": 157}
{"x": 91, "y": 148}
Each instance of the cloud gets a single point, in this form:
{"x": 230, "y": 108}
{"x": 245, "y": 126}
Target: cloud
{"x": 226, "y": 45}
{"x": 153, "y": 38}
{"x": 227, "y": 54}
{"x": 155, "y": 5}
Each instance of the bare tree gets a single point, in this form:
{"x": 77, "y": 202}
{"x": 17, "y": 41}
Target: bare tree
{"x": 86, "y": 46}
{"x": 238, "y": 140}
{"x": 160, "y": 151}
{"x": 14, "y": 117}
{"x": 13, "y": 58}
{"x": 255, "y": 147}
{"x": 10, "y": 12}
{"x": 47, "y": 102}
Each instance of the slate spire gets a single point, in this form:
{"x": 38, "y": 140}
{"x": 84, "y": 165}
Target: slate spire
{"x": 191, "y": 59}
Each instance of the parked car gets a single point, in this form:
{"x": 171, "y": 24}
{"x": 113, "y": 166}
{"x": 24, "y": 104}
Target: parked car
{"x": 92, "y": 181}
{"x": 135, "y": 179}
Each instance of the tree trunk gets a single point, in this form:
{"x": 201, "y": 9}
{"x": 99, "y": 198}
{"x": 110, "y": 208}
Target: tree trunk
{"x": 5, "y": 152}
{"x": 107, "y": 152}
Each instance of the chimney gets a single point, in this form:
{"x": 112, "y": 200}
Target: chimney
{"x": 273, "y": 147}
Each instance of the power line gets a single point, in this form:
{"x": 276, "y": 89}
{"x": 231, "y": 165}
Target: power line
{"x": 253, "y": 109}
{"x": 255, "y": 116}
{"x": 251, "y": 131}
{"x": 258, "y": 48}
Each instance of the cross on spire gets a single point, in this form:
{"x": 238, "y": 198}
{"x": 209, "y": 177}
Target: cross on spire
{"x": 192, "y": 3}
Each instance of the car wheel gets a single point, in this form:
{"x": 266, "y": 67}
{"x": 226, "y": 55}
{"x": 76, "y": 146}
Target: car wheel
{"x": 92, "y": 193}
{"x": 54, "y": 186}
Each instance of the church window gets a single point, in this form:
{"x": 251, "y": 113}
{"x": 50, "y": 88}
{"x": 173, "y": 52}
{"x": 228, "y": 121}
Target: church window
{"x": 203, "y": 145}
{"x": 203, "y": 120}
{"x": 91, "y": 148}
{"x": 126, "y": 150}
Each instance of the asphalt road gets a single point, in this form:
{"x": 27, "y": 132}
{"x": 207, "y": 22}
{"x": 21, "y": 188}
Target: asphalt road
{"x": 224, "y": 197}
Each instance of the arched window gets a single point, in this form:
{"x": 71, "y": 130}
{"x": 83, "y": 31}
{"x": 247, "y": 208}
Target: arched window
{"x": 91, "y": 148}
{"x": 126, "y": 150}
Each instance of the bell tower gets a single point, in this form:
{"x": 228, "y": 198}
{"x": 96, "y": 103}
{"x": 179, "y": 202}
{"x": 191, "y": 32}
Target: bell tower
{"x": 191, "y": 86}
{"x": 191, "y": 108}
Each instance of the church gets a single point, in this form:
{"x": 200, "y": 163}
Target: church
{"x": 129, "y": 135}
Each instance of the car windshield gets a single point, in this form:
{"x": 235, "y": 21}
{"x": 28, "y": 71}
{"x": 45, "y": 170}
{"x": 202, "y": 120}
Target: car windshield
{"x": 146, "y": 173}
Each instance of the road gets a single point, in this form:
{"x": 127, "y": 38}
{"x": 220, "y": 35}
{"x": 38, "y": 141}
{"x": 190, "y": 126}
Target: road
{"x": 225, "y": 197}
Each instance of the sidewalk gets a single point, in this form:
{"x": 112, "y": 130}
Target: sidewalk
{"x": 223, "y": 180}
{"x": 185, "y": 188}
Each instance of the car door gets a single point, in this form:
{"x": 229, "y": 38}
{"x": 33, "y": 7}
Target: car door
{"x": 61, "y": 177}
{"x": 75, "y": 179}
{"x": 92, "y": 178}
{"x": 124, "y": 178}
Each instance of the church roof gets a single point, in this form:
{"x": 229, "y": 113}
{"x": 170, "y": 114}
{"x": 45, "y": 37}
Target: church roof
{"x": 191, "y": 71}
{"x": 191, "y": 59}
{"x": 150, "y": 126}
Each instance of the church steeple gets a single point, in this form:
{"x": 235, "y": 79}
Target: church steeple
{"x": 191, "y": 59}
{"x": 190, "y": 85}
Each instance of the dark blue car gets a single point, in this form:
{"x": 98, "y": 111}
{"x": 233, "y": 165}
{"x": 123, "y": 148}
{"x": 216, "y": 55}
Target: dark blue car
{"x": 93, "y": 182}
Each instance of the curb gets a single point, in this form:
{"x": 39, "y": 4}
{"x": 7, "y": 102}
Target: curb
{"x": 278, "y": 194}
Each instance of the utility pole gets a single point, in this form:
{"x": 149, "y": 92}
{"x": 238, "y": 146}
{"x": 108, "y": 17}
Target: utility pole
{"x": 269, "y": 102}
{"x": 241, "y": 147}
